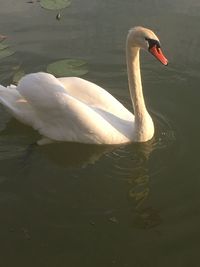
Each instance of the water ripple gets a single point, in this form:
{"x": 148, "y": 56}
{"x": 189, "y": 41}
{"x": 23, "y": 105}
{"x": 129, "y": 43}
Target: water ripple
{"x": 135, "y": 160}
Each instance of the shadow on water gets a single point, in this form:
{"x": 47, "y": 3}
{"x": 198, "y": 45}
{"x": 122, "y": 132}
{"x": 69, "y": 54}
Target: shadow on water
{"x": 73, "y": 154}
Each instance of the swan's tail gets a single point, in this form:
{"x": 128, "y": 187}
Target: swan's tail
{"x": 15, "y": 104}
{"x": 9, "y": 96}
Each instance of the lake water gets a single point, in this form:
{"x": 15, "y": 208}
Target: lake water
{"x": 81, "y": 205}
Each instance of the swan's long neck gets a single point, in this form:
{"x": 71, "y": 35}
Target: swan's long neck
{"x": 134, "y": 79}
{"x": 143, "y": 128}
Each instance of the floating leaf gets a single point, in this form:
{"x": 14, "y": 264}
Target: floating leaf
{"x": 6, "y": 53}
{"x": 68, "y": 67}
{"x": 3, "y": 46}
{"x": 18, "y": 75}
{"x": 4, "y": 50}
{"x": 55, "y": 4}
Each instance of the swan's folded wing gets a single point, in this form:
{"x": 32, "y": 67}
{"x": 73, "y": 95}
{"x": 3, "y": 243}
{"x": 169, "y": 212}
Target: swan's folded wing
{"x": 60, "y": 116}
{"x": 74, "y": 121}
{"x": 93, "y": 95}
{"x": 40, "y": 89}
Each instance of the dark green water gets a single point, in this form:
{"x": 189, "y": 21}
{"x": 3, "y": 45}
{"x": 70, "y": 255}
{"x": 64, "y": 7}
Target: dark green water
{"x": 81, "y": 206}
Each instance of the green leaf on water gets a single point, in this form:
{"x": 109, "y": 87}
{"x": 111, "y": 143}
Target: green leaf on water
{"x": 55, "y": 4}
{"x": 6, "y": 53}
{"x": 18, "y": 75}
{"x": 68, "y": 67}
{"x": 3, "y": 46}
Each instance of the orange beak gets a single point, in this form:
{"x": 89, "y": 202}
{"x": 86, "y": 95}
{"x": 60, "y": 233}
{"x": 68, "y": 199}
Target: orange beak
{"x": 156, "y": 52}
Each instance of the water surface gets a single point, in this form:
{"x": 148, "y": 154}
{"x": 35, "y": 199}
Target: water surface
{"x": 81, "y": 205}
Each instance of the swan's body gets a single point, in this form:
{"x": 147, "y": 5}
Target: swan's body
{"x": 76, "y": 110}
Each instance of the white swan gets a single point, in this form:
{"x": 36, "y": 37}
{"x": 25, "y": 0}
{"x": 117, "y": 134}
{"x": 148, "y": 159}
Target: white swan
{"x": 76, "y": 110}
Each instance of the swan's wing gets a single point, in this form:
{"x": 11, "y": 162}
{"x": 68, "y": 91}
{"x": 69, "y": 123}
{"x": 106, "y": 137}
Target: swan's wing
{"x": 95, "y": 96}
{"x": 60, "y": 116}
{"x": 40, "y": 90}
{"x": 11, "y": 99}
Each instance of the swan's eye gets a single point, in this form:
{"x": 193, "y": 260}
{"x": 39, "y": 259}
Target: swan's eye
{"x": 153, "y": 43}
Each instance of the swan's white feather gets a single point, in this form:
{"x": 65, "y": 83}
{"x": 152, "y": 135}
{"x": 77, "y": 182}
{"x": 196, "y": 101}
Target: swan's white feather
{"x": 68, "y": 109}
{"x": 11, "y": 99}
{"x": 95, "y": 96}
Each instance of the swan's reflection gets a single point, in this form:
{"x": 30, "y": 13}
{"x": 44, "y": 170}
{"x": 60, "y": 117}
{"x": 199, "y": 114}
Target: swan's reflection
{"x": 65, "y": 154}
{"x": 73, "y": 154}
{"x": 138, "y": 176}
{"x": 129, "y": 163}
{"x": 48, "y": 178}
{"x": 144, "y": 215}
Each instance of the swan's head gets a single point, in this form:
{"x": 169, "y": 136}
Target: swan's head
{"x": 147, "y": 40}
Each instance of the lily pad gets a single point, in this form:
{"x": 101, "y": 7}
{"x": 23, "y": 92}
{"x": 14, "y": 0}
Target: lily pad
{"x": 68, "y": 67}
{"x": 55, "y": 4}
{"x": 6, "y": 53}
{"x": 18, "y": 75}
{"x": 3, "y": 46}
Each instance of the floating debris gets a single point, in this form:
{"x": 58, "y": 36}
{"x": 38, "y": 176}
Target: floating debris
{"x": 58, "y": 16}
{"x": 26, "y": 233}
{"x": 113, "y": 220}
